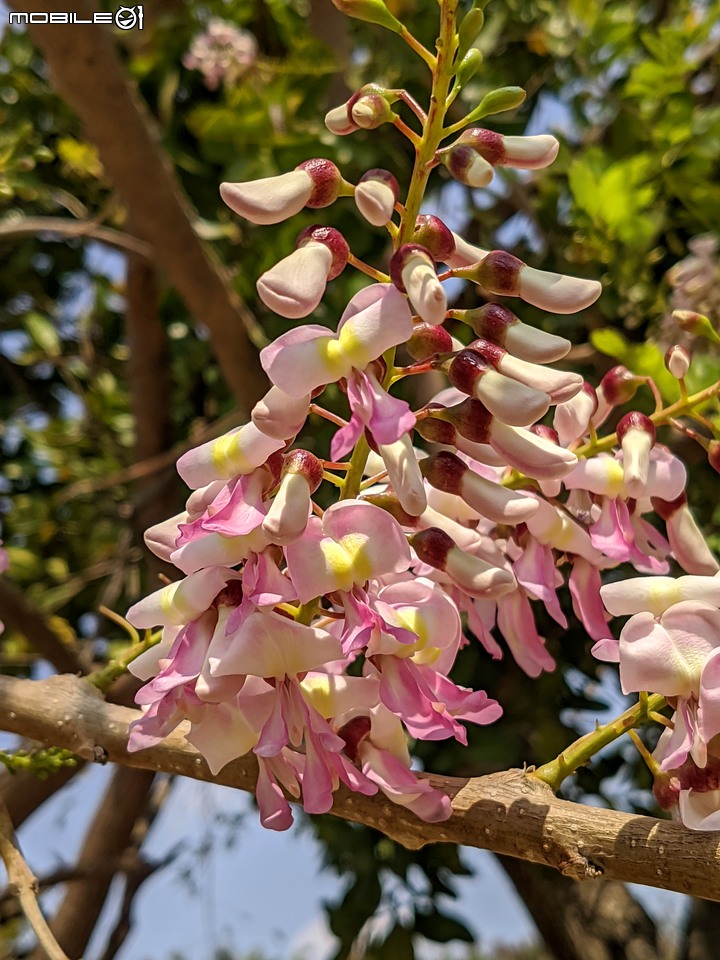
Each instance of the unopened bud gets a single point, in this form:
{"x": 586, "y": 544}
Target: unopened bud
{"x": 288, "y": 514}
{"x": 508, "y": 399}
{"x": 327, "y": 182}
{"x": 376, "y": 195}
{"x": 636, "y": 433}
{"x": 370, "y": 110}
{"x": 502, "y": 274}
{"x": 466, "y": 165}
{"x": 496, "y": 323}
{"x": 447, "y": 473}
{"x": 697, "y": 324}
{"x": 469, "y": 66}
{"x": 471, "y": 419}
{"x": 523, "y": 153}
{"x": 412, "y": 270}
{"x": 572, "y": 418}
{"x": 432, "y": 234}
{"x": 428, "y": 340}
{"x": 473, "y": 575}
{"x": 497, "y": 101}
{"x": 314, "y": 183}
{"x": 469, "y": 30}
{"x": 677, "y": 361}
{"x": 559, "y": 385}
{"x": 333, "y": 240}
{"x": 339, "y": 122}
{"x": 617, "y": 387}
{"x": 371, "y": 11}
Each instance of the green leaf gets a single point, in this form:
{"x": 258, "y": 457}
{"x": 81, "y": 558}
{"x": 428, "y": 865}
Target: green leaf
{"x": 43, "y": 334}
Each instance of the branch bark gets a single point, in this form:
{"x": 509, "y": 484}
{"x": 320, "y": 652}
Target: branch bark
{"x": 584, "y": 921}
{"x": 509, "y": 813}
{"x": 106, "y": 840}
{"x": 89, "y": 74}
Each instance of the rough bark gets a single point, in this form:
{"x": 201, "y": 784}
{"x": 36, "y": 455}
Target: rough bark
{"x": 511, "y": 813}
{"x": 107, "y": 838}
{"x": 584, "y": 921}
{"x": 89, "y": 74}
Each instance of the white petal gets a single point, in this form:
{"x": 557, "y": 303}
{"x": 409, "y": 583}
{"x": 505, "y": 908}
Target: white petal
{"x": 269, "y": 200}
{"x": 556, "y": 292}
{"x": 295, "y": 286}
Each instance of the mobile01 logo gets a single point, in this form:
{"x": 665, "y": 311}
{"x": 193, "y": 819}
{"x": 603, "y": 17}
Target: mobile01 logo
{"x": 124, "y": 18}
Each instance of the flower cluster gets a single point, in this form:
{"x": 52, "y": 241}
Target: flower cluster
{"x": 321, "y": 640}
{"x": 222, "y": 53}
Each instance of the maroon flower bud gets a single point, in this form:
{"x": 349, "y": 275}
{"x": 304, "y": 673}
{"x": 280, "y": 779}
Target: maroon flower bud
{"x": 619, "y": 386}
{"x": 306, "y": 464}
{"x": 369, "y": 109}
{"x": 428, "y": 340}
{"x": 444, "y": 471}
{"x": 636, "y": 421}
{"x": 465, "y": 369}
{"x": 333, "y": 240}
{"x": 471, "y": 419}
{"x": 432, "y": 546}
{"x": 438, "y": 240}
{"x": 498, "y": 324}
{"x": 412, "y": 270}
{"x": 327, "y": 182}
{"x": 466, "y": 165}
{"x": 435, "y": 430}
{"x": 636, "y": 433}
{"x": 499, "y": 274}
{"x": 353, "y": 733}
{"x": 665, "y": 509}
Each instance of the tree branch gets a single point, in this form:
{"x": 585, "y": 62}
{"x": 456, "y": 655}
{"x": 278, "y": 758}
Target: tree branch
{"x": 510, "y": 813}
{"x": 22, "y": 880}
{"x": 89, "y": 74}
{"x": 106, "y": 840}
{"x": 65, "y": 228}
{"x": 19, "y": 615}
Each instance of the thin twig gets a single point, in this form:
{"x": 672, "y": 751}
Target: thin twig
{"x": 24, "y": 882}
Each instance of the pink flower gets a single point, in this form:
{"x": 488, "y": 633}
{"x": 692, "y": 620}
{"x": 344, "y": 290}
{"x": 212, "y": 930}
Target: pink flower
{"x": 387, "y": 418}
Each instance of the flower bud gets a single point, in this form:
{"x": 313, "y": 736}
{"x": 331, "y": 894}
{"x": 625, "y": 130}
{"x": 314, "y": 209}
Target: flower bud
{"x": 465, "y": 254}
{"x": 497, "y": 101}
{"x": 469, "y": 30}
{"x": 697, "y": 324}
{"x": 559, "y": 385}
{"x": 686, "y": 539}
{"x": 677, "y": 361}
{"x": 474, "y": 576}
{"x": 509, "y": 400}
{"x": 295, "y": 286}
{"x": 371, "y": 11}
{"x": 376, "y": 195}
{"x": 531, "y": 454}
{"x": 338, "y": 122}
{"x": 496, "y": 323}
{"x": 572, "y": 418}
{"x": 469, "y": 64}
{"x": 432, "y": 234}
{"x": 412, "y": 270}
{"x": 314, "y": 183}
{"x": 428, "y": 340}
{"x": 636, "y": 433}
{"x": 369, "y": 109}
{"x": 288, "y": 514}
{"x": 617, "y": 387}
{"x": 502, "y": 274}
{"x": 466, "y": 165}
{"x": 447, "y": 473}
{"x": 523, "y": 153}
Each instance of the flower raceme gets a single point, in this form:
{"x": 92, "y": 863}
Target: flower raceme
{"x": 321, "y": 640}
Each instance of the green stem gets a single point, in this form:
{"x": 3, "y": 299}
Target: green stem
{"x": 102, "y": 679}
{"x": 683, "y": 405}
{"x": 429, "y": 141}
{"x": 580, "y": 753}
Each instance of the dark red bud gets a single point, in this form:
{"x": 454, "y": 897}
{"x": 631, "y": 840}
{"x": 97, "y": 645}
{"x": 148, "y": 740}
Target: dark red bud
{"x": 435, "y": 430}
{"x": 619, "y": 386}
{"x": 444, "y": 471}
{"x": 431, "y": 233}
{"x": 400, "y": 258}
{"x": 306, "y": 463}
{"x": 427, "y": 339}
{"x": 489, "y": 351}
{"x": 465, "y": 370}
{"x": 326, "y": 179}
{"x": 353, "y": 733}
{"x": 471, "y": 419}
{"x": 635, "y": 421}
{"x": 490, "y": 321}
{"x": 432, "y": 546}
{"x": 499, "y": 273}
{"x": 333, "y": 240}
{"x": 487, "y": 143}
{"x": 666, "y": 508}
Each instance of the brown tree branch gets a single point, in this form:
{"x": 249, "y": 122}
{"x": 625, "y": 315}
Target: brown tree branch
{"x": 107, "y": 838}
{"x": 89, "y": 74}
{"x": 22, "y": 880}
{"x": 584, "y": 921}
{"x": 510, "y": 813}
{"x": 18, "y": 614}
{"x": 64, "y": 227}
